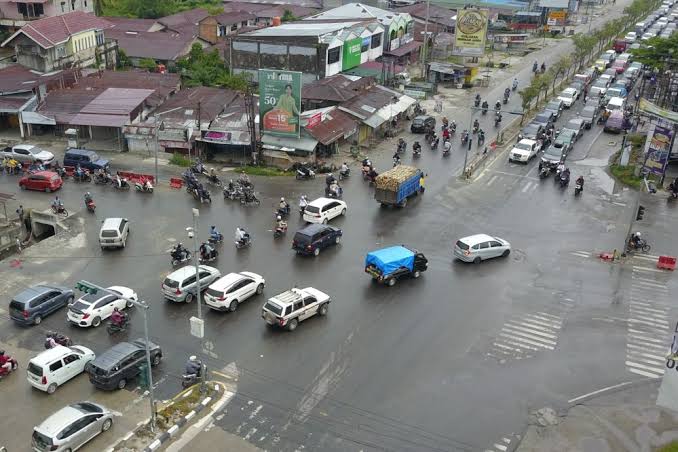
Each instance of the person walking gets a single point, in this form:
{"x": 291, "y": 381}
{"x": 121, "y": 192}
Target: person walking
{"x": 20, "y": 212}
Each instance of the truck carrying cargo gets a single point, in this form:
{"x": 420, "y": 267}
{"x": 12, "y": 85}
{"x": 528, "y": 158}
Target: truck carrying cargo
{"x": 387, "y": 265}
{"x": 394, "y": 186}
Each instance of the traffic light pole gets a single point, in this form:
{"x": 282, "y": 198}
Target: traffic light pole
{"x": 636, "y": 215}
{"x": 89, "y": 287}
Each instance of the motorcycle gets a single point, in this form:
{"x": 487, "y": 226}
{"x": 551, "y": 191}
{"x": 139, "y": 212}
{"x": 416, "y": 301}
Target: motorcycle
{"x": 481, "y": 138}
{"x": 204, "y": 196}
{"x": 213, "y": 255}
{"x": 188, "y": 380}
{"x": 418, "y": 111}
{"x": 485, "y": 108}
{"x": 338, "y": 191}
{"x": 249, "y": 199}
{"x": 60, "y": 210}
{"x": 218, "y": 239}
{"x": 564, "y": 179}
{"x": 416, "y": 153}
{"x": 198, "y": 168}
{"x": 402, "y": 146}
{"x": 464, "y": 137}
{"x": 345, "y": 174}
{"x": 446, "y": 152}
{"x": 304, "y": 172}
{"x": 476, "y": 102}
{"x": 641, "y": 246}
{"x": 544, "y": 172}
{"x": 476, "y": 128}
{"x": 82, "y": 177}
{"x": 103, "y": 179}
{"x": 4, "y": 372}
{"x": 59, "y": 338}
{"x": 234, "y": 193}
{"x": 244, "y": 243}
{"x": 113, "y": 328}
{"x": 178, "y": 259}
{"x": 578, "y": 189}
{"x": 144, "y": 186}
{"x": 124, "y": 185}
{"x": 279, "y": 231}
{"x": 396, "y": 162}
{"x": 497, "y": 120}
{"x": 91, "y": 207}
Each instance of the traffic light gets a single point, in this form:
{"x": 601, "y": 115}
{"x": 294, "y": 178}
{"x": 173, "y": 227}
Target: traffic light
{"x": 641, "y": 212}
{"x": 84, "y": 286}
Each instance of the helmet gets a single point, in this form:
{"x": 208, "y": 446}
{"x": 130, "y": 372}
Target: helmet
{"x": 638, "y": 234}
{"x": 88, "y": 194}
{"x": 193, "y": 358}
{"x": 213, "y": 227}
{"x": 180, "y": 244}
{"x": 50, "y": 333}
{"x": 282, "y": 199}
{"x": 278, "y": 218}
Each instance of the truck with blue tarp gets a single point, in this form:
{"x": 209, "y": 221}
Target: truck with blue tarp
{"x": 393, "y": 187}
{"x": 387, "y": 265}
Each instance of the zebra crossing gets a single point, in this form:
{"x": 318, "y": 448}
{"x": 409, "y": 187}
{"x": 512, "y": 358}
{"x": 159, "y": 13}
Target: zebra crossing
{"x": 523, "y": 336}
{"x": 528, "y": 184}
{"x": 648, "y": 329}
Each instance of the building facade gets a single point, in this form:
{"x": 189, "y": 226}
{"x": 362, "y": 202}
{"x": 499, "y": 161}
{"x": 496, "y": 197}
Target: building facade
{"x": 15, "y": 14}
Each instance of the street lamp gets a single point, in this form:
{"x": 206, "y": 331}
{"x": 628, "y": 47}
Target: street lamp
{"x": 197, "y": 323}
{"x": 158, "y": 128}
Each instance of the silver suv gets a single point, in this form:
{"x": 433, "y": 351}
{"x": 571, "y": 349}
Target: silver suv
{"x": 71, "y": 427}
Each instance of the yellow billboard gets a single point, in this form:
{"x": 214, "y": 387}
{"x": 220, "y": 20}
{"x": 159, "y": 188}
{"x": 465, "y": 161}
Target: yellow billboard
{"x": 470, "y": 32}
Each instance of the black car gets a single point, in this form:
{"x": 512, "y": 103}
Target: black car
{"x": 552, "y": 156}
{"x": 315, "y": 237}
{"x": 121, "y": 363}
{"x": 545, "y": 118}
{"x": 86, "y": 159}
{"x": 532, "y": 131}
{"x": 31, "y": 305}
{"x": 422, "y": 123}
{"x": 588, "y": 115}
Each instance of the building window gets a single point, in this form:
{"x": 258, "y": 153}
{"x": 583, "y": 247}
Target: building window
{"x": 365, "y": 46}
{"x": 333, "y": 55}
{"x": 376, "y": 41}
{"x": 234, "y": 27}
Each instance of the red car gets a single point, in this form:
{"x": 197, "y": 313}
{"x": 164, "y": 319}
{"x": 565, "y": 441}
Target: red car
{"x": 46, "y": 181}
{"x": 619, "y": 66}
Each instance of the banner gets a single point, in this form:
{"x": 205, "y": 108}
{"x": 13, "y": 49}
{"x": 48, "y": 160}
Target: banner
{"x": 658, "y": 152}
{"x": 648, "y": 107}
{"x": 280, "y": 102}
{"x": 351, "y": 56}
{"x": 470, "y": 32}
{"x": 556, "y": 18}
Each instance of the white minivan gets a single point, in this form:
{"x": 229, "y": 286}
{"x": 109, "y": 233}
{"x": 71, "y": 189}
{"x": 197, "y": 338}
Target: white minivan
{"x": 615, "y": 103}
{"x": 54, "y": 367}
{"x": 113, "y": 233}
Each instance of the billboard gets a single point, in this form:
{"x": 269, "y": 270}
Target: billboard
{"x": 279, "y": 102}
{"x": 470, "y": 32}
{"x": 648, "y": 107}
{"x": 658, "y": 152}
{"x": 351, "y": 57}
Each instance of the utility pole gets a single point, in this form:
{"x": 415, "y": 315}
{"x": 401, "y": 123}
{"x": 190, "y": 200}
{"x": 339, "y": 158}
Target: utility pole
{"x": 423, "y": 56}
{"x": 200, "y": 333}
{"x": 88, "y": 287}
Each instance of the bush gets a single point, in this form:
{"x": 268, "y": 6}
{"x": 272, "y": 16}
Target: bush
{"x": 180, "y": 160}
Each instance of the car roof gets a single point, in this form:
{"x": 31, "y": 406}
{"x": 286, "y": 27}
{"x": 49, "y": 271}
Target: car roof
{"x": 80, "y": 151}
{"x": 314, "y": 228}
{"x": 577, "y": 120}
{"x": 569, "y": 91}
{"x": 31, "y": 292}
{"x": 113, "y": 355}
{"x": 49, "y": 355}
{"x": 322, "y": 201}
{"x": 226, "y": 281}
{"x": 189, "y": 270}
{"x": 47, "y": 174}
{"x": 57, "y": 421}
{"x": 475, "y": 239}
{"x": 423, "y": 117}
{"x": 111, "y": 223}
{"x": 28, "y": 147}
{"x": 527, "y": 141}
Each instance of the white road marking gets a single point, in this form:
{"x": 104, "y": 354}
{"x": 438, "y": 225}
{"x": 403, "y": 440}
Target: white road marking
{"x": 515, "y": 175}
{"x": 645, "y": 374}
{"x": 526, "y": 187}
{"x": 542, "y": 321}
{"x": 581, "y": 254}
{"x": 527, "y": 341}
{"x": 647, "y": 269}
{"x": 491, "y": 180}
{"x": 642, "y": 367}
{"x": 500, "y": 447}
{"x": 532, "y": 331}
{"x": 620, "y": 204}
{"x": 658, "y": 323}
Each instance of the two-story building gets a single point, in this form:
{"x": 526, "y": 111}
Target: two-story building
{"x": 70, "y": 40}
{"x": 17, "y": 13}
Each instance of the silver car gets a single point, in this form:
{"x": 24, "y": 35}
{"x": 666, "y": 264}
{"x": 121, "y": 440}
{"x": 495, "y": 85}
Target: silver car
{"x": 71, "y": 427}
{"x": 479, "y": 247}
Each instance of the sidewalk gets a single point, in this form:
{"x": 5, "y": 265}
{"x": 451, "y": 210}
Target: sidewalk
{"x": 625, "y": 420}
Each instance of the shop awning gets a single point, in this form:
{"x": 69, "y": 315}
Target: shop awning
{"x": 404, "y": 50}
{"x": 303, "y": 143}
{"x": 379, "y": 117}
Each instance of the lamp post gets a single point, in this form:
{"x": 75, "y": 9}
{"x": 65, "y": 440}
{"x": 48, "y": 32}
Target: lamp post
{"x": 197, "y": 323}
{"x": 158, "y": 128}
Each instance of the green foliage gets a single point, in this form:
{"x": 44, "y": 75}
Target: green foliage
{"x": 671, "y": 447}
{"x": 180, "y": 160}
{"x": 200, "y": 68}
{"x": 657, "y": 51}
{"x": 288, "y": 16}
{"x": 123, "y": 60}
{"x": 147, "y": 63}
{"x": 153, "y": 9}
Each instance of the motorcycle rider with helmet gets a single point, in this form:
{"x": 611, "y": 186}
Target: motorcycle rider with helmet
{"x": 344, "y": 170}
{"x": 179, "y": 252}
{"x": 88, "y": 199}
{"x": 118, "y": 318}
{"x": 206, "y": 251}
{"x": 241, "y": 236}
{"x": 580, "y": 182}
{"x": 193, "y": 366}
{"x": 215, "y": 234}
{"x": 5, "y": 363}
{"x": 283, "y": 207}
{"x": 303, "y": 202}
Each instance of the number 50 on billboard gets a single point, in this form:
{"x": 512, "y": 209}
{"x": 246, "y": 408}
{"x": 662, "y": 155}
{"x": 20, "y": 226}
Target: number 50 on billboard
{"x": 279, "y": 102}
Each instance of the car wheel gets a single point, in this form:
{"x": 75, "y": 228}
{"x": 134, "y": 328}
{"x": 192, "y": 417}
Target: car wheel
{"x": 343, "y": 212}
{"x": 416, "y": 274}
{"x": 292, "y": 325}
{"x": 233, "y": 306}
{"x": 260, "y": 289}
{"x": 337, "y": 240}
{"x": 189, "y": 298}
{"x": 21, "y": 186}
{"x": 476, "y": 260}
{"x": 316, "y": 251}
{"x": 324, "y": 220}
{"x": 156, "y": 360}
{"x": 122, "y": 383}
{"x": 37, "y": 320}
{"x": 106, "y": 425}
{"x": 128, "y": 304}
{"x": 322, "y": 310}
{"x": 391, "y": 282}
{"x": 96, "y": 321}
{"x": 47, "y": 190}
{"x": 505, "y": 253}
{"x": 51, "y": 388}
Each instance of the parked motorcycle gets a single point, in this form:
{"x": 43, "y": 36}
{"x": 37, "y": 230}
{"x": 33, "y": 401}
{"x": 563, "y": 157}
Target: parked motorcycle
{"x": 4, "y": 372}
{"x": 304, "y": 172}
{"x": 144, "y": 186}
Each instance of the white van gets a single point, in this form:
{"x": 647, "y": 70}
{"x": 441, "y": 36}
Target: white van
{"x": 113, "y": 233}
{"x": 54, "y": 367}
{"x": 615, "y": 103}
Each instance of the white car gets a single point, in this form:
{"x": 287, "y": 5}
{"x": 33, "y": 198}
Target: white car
{"x": 289, "y": 308}
{"x": 322, "y": 210}
{"x": 227, "y": 292}
{"x": 27, "y": 153}
{"x": 631, "y": 37}
{"x": 479, "y": 247}
{"x": 523, "y": 151}
{"x": 568, "y": 96}
{"x": 91, "y": 309}
{"x": 54, "y": 367}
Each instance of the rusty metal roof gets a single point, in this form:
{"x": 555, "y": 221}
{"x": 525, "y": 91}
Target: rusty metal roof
{"x": 336, "y": 88}
{"x": 336, "y": 125}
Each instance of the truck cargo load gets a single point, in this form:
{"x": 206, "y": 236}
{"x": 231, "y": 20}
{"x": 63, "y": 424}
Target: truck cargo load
{"x": 394, "y": 186}
{"x": 387, "y": 265}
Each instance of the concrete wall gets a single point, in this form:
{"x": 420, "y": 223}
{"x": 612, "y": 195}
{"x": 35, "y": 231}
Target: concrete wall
{"x": 10, "y": 10}
{"x": 207, "y": 29}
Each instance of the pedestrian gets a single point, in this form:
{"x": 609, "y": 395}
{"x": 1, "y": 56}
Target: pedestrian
{"x": 20, "y": 212}
{"x": 421, "y": 183}
{"x": 18, "y": 245}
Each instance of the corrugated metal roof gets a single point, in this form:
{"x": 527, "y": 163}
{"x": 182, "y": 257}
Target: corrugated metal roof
{"x": 336, "y": 125}
{"x": 98, "y": 120}
{"x": 300, "y": 29}
{"x": 303, "y": 143}
{"x": 117, "y": 101}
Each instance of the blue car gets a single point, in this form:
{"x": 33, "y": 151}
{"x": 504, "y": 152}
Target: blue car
{"x": 87, "y": 159}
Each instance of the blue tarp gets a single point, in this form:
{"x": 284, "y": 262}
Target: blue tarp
{"x": 387, "y": 260}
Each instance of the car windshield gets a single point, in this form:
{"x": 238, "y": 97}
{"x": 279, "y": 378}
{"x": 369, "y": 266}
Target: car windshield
{"x": 543, "y": 118}
{"x": 109, "y": 233}
{"x": 553, "y": 105}
{"x": 614, "y": 92}
{"x": 86, "y": 407}
{"x": 566, "y": 95}
{"x": 573, "y": 125}
{"x": 42, "y": 441}
{"x": 531, "y": 129}
{"x": 35, "y": 150}
{"x": 274, "y": 308}
{"x": 600, "y": 84}
{"x": 523, "y": 146}
{"x": 462, "y": 245}
{"x": 553, "y": 153}
{"x": 301, "y": 238}
{"x": 171, "y": 283}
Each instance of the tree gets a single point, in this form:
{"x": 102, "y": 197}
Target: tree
{"x": 527, "y": 95}
{"x": 200, "y": 68}
{"x": 288, "y": 16}
{"x": 657, "y": 51}
{"x": 149, "y": 9}
{"x": 123, "y": 60}
{"x": 147, "y": 63}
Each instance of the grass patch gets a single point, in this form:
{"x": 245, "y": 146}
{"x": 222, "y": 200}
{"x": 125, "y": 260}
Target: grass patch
{"x": 180, "y": 160}
{"x": 624, "y": 174}
{"x": 671, "y": 447}
{"x": 264, "y": 171}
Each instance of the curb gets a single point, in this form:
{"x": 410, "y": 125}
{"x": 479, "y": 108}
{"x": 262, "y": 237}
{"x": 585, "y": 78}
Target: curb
{"x": 610, "y": 389}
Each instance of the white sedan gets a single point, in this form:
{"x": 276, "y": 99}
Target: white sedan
{"x": 568, "y": 96}
{"x": 227, "y": 292}
{"x": 91, "y": 309}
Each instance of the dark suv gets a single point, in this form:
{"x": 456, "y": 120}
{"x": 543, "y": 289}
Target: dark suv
{"x": 86, "y": 159}
{"x": 422, "y": 123}
{"x": 121, "y": 363}
{"x": 30, "y": 306}
{"x": 314, "y": 237}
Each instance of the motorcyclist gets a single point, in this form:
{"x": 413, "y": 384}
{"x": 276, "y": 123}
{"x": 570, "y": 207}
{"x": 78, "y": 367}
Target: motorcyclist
{"x": 303, "y": 202}
{"x": 79, "y": 173}
{"x": 193, "y": 366}
{"x": 241, "y": 236}
{"x": 565, "y": 175}
{"x": 214, "y": 233}
{"x": 481, "y": 137}
{"x": 543, "y": 67}
{"x": 535, "y": 66}
{"x": 497, "y": 106}
{"x": 118, "y": 180}
{"x": 446, "y": 135}
{"x": 231, "y": 187}
{"x": 447, "y": 147}
{"x": 118, "y": 318}
{"x": 203, "y": 194}
{"x": 344, "y": 170}
{"x": 179, "y": 252}
{"x": 5, "y": 362}
{"x": 477, "y": 100}
{"x": 57, "y": 204}
{"x": 476, "y": 125}
{"x": 206, "y": 250}
{"x": 401, "y": 145}
{"x": 515, "y": 83}
{"x": 372, "y": 175}
{"x": 561, "y": 167}
{"x": 88, "y": 198}
{"x": 507, "y": 93}
{"x": 416, "y": 147}
{"x": 283, "y": 206}
{"x": 396, "y": 158}
{"x": 330, "y": 178}
{"x": 50, "y": 340}
{"x": 367, "y": 163}
{"x": 280, "y": 225}
{"x": 580, "y": 181}
{"x": 485, "y": 106}
{"x": 453, "y": 126}
{"x": 244, "y": 179}
{"x": 146, "y": 183}
{"x": 497, "y": 117}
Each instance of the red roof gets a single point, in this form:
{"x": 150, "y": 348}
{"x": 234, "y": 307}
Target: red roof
{"x": 336, "y": 125}
{"x": 51, "y": 31}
